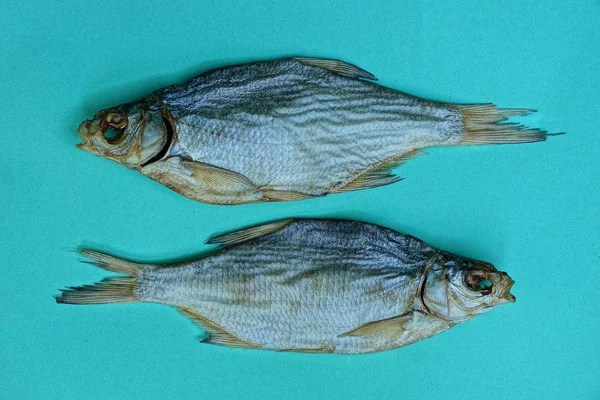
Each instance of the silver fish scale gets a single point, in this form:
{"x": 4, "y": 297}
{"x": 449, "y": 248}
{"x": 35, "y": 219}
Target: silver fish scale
{"x": 285, "y": 125}
{"x": 300, "y": 287}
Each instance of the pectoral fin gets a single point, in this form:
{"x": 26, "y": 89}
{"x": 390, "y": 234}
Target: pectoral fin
{"x": 388, "y": 329}
{"x": 203, "y": 182}
{"x": 337, "y": 67}
{"x": 216, "y": 335}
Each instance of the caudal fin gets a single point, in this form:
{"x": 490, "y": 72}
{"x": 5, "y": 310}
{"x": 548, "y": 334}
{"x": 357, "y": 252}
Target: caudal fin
{"x": 110, "y": 290}
{"x": 482, "y": 126}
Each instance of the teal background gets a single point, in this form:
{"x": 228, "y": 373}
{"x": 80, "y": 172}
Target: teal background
{"x": 530, "y": 209}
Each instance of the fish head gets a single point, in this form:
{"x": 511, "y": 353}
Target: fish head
{"x": 130, "y": 134}
{"x": 457, "y": 289}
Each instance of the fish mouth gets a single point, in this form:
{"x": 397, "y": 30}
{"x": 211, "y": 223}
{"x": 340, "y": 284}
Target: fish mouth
{"x": 505, "y": 294}
{"x": 509, "y": 297}
{"x": 86, "y": 131}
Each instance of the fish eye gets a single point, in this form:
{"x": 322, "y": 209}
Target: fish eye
{"x": 116, "y": 120}
{"x": 477, "y": 281}
{"x": 115, "y": 123}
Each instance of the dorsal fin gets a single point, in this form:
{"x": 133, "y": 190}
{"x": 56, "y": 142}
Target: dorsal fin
{"x": 338, "y": 67}
{"x": 216, "y": 335}
{"x": 380, "y": 174}
{"x": 231, "y": 238}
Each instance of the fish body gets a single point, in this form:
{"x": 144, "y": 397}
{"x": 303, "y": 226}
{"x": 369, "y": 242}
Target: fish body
{"x": 286, "y": 130}
{"x": 289, "y": 126}
{"x": 329, "y": 286}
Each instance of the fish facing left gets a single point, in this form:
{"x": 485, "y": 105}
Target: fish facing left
{"x": 317, "y": 286}
{"x": 285, "y": 130}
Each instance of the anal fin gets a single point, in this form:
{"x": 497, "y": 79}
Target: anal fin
{"x": 216, "y": 334}
{"x": 379, "y": 174}
{"x": 388, "y": 329}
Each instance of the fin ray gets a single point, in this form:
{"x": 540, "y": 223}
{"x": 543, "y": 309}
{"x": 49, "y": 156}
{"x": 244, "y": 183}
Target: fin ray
{"x": 380, "y": 174}
{"x": 109, "y": 290}
{"x": 216, "y": 334}
{"x": 236, "y": 237}
{"x": 320, "y": 350}
{"x": 285, "y": 195}
{"x": 203, "y": 182}
{"x": 111, "y": 263}
{"x": 388, "y": 329}
{"x": 216, "y": 176}
{"x": 336, "y": 66}
{"x": 482, "y": 123}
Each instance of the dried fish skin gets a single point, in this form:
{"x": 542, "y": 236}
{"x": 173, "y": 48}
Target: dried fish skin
{"x": 319, "y": 286}
{"x": 287, "y": 130}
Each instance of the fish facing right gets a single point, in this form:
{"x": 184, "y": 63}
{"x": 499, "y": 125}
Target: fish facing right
{"x": 285, "y": 130}
{"x": 318, "y": 286}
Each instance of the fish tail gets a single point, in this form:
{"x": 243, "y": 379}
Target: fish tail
{"x": 109, "y": 290}
{"x": 483, "y": 125}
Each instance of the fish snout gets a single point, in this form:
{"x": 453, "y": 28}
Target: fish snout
{"x": 508, "y": 296}
{"x": 86, "y": 130}
{"x": 503, "y": 285}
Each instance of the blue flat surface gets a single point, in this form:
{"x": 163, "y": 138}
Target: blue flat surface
{"x": 532, "y": 210}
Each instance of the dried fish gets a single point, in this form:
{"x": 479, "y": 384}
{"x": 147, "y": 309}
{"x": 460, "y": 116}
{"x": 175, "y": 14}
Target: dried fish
{"x": 285, "y": 130}
{"x": 318, "y": 286}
